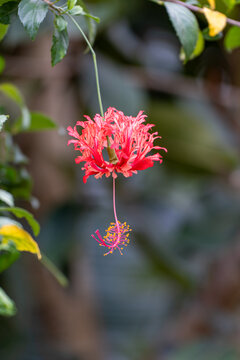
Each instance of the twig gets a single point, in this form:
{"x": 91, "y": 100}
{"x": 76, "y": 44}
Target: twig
{"x": 52, "y": 6}
{"x": 199, "y": 10}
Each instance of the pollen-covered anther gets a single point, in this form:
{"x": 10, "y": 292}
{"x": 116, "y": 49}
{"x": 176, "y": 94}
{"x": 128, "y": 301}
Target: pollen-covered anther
{"x": 117, "y": 236}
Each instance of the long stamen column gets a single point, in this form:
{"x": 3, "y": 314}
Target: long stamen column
{"x": 117, "y": 235}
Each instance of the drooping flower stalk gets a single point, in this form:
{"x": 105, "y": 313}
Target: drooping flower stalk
{"x": 94, "y": 62}
{"x": 111, "y": 152}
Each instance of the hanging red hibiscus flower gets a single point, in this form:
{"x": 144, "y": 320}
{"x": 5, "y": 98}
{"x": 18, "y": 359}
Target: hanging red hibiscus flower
{"x": 128, "y": 142}
{"x": 127, "y": 135}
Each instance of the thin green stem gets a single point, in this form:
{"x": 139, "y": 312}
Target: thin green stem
{"x": 113, "y": 159}
{"x": 61, "y": 278}
{"x": 94, "y": 62}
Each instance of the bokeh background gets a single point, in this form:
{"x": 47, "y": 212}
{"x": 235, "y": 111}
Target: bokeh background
{"x": 175, "y": 294}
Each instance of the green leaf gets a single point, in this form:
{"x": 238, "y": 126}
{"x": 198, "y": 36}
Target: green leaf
{"x": 60, "y": 23}
{"x": 12, "y": 92}
{"x": 2, "y": 61}
{"x": 197, "y": 51}
{"x": 26, "y": 117}
{"x": 31, "y": 14}
{"x": 16, "y": 180}
{"x": 4, "y": 1}
{"x": 79, "y": 10}
{"x": 6, "y": 197}
{"x": 38, "y": 122}
{"x": 3, "y": 31}
{"x": 95, "y": 18}
{"x": 21, "y": 213}
{"x": 3, "y": 118}
{"x": 207, "y": 37}
{"x": 8, "y": 221}
{"x": 230, "y": 4}
{"x": 159, "y": 2}
{"x": 76, "y": 10}
{"x": 21, "y": 239}
{"x": 185, "y": 25}
{"x": 71, "y": 4}
{"x": 6, "y": 10}
{"x": 14, "y": 154}
{"x": 199, "y": 46}
{"x": 232, "y": 38}
{"x": 7, "y": 306}
{"x": 41, "y": 122}
{"x": 8, "y": 255}
{"x": 59, "y": 47}
{"x": 92, "y": 30}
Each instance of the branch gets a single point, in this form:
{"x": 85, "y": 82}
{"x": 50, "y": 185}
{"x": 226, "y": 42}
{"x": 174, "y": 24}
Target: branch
{"x": 52, "y": 6}
{"x": 198, "y": 10}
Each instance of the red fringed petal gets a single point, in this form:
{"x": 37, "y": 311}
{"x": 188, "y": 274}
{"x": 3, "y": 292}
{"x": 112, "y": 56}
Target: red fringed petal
{"x": 129, "y": 137}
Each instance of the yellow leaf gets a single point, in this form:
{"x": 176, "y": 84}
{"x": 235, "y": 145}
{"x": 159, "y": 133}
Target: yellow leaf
{"x": 216, "y": 21}
{"x": 212, "y": 4}
{"x": 22, "y": 239}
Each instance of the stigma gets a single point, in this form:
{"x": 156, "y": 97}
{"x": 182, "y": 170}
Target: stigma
{"x": 117, "y": 236}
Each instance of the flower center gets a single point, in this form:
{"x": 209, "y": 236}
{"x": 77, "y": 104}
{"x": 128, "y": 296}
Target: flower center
{"x": 113, "y": 159}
